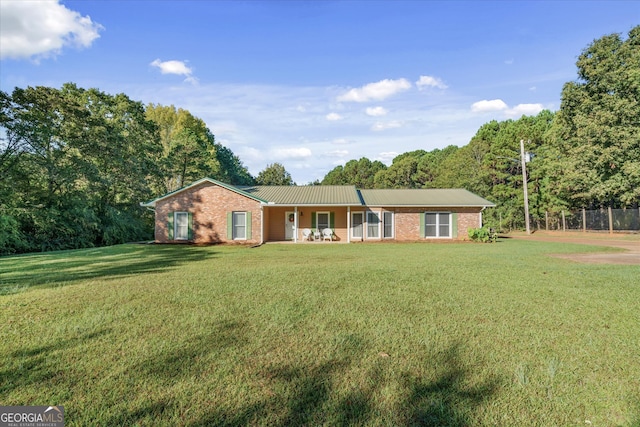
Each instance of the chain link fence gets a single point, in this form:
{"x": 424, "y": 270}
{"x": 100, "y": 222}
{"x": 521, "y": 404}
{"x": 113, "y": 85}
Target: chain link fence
{"x": 606, "y": 219}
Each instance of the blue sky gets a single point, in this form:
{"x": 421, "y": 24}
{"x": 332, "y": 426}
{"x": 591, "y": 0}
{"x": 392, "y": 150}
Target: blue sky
{"x": 312, "y": 85}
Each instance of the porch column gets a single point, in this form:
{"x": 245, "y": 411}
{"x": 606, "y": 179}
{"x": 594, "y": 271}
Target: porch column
{"x": 295, "y": 224}
{"x": 348, "y": 224}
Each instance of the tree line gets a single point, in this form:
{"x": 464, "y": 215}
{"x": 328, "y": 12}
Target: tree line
{"x": 587, "y": 154}
{"x": 75, "y": 163}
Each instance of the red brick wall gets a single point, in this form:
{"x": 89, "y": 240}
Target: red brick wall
{"x": 466, "y": 220}
{"x": 407, "y": 221}
{"x": 209, "y": 204}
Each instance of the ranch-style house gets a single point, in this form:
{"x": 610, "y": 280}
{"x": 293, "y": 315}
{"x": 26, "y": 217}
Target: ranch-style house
{"x": 209, "y": 211}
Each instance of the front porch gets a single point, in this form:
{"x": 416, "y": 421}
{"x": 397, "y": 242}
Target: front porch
{"x": 287, "y": 223}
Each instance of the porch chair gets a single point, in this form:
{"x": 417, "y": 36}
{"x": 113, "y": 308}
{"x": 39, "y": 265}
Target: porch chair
{"x": 327, "y": 233}
{"x": 306, "y": 234}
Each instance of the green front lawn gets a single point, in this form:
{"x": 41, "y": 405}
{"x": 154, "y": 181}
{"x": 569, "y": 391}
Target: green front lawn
{"x": 332, "y": 334}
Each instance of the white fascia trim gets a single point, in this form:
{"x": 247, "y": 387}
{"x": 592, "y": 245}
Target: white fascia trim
{"x": 280, "y": 205}
{"x": 429, "y": 206}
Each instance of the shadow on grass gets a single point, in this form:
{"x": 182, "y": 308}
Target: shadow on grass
{"x": 145, "y": 415}
{"x": 49, "y": 270}
{"x": 300, "y": 394}
{"x": 193, "y": 357}
{"x": 358, "y": 406}
{"x": 310, "y": 397}
{"x": 447, "y": 400}
{"x": 188, "y": 359}
{"x": 38, "y": 365}
{"x": 307, "y": 390}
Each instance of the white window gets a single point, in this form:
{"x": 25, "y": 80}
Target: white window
{"x": 387, "y": 219}
{"x": 239, "y": 225}
{"x": 357, "y": 221}
{"x": 181, "y": 226}
{"x": 373, "y": 225}
{"x": 322, "y": 220}
{"x": 437, "y": 224}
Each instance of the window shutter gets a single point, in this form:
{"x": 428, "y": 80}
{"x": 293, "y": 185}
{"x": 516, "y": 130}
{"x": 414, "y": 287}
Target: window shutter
{"x": 454, "y": 225}
{"x": 332, "y": 221}
{"x": 229, "y": 225}
{"x": 190, "y": 226}
{"x": 170, "y": 225}
{"x": 248, "y": 216}
{"x": 423, "y": 216}
{"x": 313, "y": 221}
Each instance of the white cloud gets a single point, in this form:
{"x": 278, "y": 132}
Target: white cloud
{"x": 249, "y": 155}
{"x": 376, "y": 111}
{"x": 525, "y": 109}
{"x": 533, "y": 88}
{"x": 386, "y": 157}
{"x": 332, "y": 117}
{"x": 429, "y": 81}
{"x": 340, "y": 141}
{"x": 40, "y": 29}
{"x": 380, "y": 126}
{"x": 499, "y": 105}
{"x": 291, "y": 153}
{"x": 509, "y": 61}
{"x": 485, "y": 106}
{"x": 175, "y": 67}
{"x": 375, "y": 91}
{"x": 172, "y": 67}
{"x": 338, "y": 153}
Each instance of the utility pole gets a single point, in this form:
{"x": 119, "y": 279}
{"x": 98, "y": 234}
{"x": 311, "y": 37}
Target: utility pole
{"x": 524, "y": 186}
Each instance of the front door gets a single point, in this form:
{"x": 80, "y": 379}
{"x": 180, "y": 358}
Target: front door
{"x": 289, "y": 225}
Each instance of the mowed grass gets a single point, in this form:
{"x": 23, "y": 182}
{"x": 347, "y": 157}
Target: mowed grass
{"x": 322, "y": 334}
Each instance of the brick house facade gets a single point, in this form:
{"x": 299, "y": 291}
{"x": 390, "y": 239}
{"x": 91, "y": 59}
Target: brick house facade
{"x": 209, "y": 211}
{"x": 209, "y": 206}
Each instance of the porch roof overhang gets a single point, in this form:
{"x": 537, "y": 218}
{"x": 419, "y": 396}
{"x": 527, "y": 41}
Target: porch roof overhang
{"x": 310, "y": 195}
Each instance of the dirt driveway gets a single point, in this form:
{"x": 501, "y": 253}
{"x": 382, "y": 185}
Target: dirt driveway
{"x": 631, "y": 244}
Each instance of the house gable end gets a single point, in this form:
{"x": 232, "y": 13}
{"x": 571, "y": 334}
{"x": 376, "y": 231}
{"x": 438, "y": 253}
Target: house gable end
{"x": 195, "y": 184}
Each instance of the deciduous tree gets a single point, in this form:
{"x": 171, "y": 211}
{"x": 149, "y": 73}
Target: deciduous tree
{"x": 274, "y": 174}
{"x": 596, "y": 137}
{"x": 360, "y": 173}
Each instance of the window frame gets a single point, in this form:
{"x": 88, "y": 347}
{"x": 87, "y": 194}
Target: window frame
{"x": 235, "y": 226}
{"x": 328, "y": 214}
{"x": 437, "y": 226}
{"x": 176, "y": 226}
{"x": 370, "y": 224}
{"x": 391, "y": 225}
{"x": 362, "y": 225}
